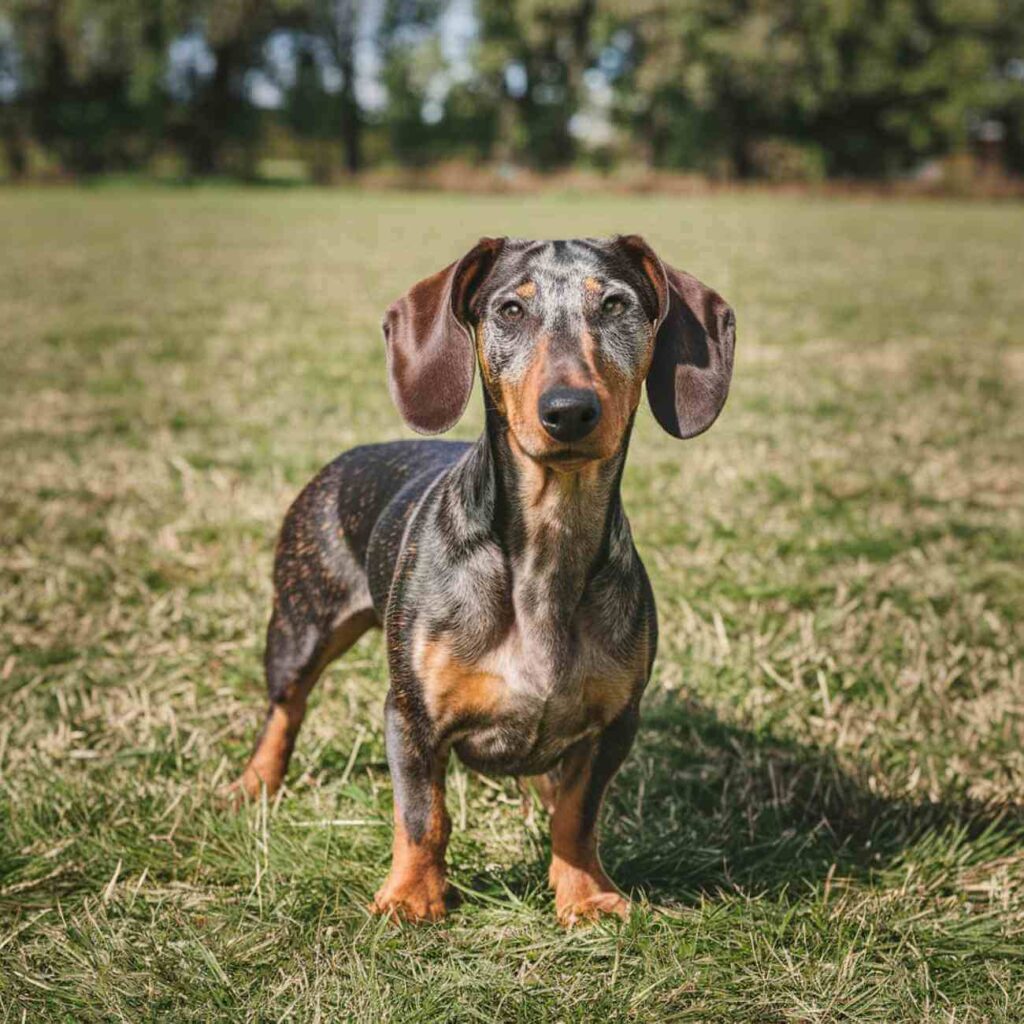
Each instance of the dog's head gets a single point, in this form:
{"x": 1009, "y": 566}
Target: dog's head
{"x": 565, "y": 334}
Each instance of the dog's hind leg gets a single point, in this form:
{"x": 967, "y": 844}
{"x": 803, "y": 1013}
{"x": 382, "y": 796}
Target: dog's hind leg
{"x": 540, "y": 788}
{"x": 322, "y": 606}
{"x": 294, "y": 664}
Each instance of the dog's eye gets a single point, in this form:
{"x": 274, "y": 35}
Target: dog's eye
{"x": 511, "y": 310}
{"x": 614, "y": 305}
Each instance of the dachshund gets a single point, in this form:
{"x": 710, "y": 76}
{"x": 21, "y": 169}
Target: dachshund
{"x": 519, "y": 619}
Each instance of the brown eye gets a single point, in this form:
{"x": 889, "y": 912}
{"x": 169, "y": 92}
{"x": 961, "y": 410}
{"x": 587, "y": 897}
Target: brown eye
{"x": 511, "y": 310}
{"x": 614, "y": 305}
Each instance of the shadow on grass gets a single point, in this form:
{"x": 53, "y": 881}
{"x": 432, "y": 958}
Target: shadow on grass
{"x": 715, "y": 807}
{"x": 702, "y": 807}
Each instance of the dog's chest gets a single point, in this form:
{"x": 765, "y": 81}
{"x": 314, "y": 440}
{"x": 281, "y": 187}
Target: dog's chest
{"x": 548, "y": 681}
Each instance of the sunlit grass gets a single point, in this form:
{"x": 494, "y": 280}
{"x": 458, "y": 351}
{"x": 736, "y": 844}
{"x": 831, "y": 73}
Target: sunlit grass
{"x": 821, "y": 818}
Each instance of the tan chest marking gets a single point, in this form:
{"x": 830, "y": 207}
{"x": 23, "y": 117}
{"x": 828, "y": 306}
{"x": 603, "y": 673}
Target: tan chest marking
{"x": 453, "y": 690}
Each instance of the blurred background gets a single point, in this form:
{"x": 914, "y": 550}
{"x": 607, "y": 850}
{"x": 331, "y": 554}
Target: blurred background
{"x": 494, "y": 94}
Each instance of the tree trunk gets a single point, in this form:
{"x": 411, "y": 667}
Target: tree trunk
{"x": 579, "y": 49}
{"x": 215, "y": 108}
{"x": 741, "y": 135}
{"x": 580, "y": 23}
{"x": 351, "y": 119}
{"x": 15, "y": 152}
{"x": 742, "y": 163}
{"x": 505, "y": 143}
{"x": 343, "y": 31}
{"x": 55, "y": 84}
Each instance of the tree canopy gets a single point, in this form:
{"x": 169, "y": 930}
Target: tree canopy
{"x": 738, "y": 88}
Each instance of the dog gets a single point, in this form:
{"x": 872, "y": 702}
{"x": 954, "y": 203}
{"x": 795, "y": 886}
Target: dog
{"x": 519, "y": 619}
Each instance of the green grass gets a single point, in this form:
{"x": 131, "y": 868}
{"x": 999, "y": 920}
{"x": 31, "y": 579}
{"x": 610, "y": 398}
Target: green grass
{"x": 822, "y": 818}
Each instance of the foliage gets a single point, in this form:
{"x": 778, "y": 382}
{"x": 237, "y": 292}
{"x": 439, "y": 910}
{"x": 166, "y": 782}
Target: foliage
{"x": 876, "y": 86}
{"x": 858, "y": 87}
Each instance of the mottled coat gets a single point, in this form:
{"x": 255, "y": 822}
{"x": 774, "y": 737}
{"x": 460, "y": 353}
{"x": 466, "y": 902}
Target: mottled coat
{"x": 520, "y": 622}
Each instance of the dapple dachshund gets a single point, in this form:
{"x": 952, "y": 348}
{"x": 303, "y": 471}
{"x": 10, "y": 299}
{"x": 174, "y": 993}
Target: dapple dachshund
{"x": 519, "y": 619}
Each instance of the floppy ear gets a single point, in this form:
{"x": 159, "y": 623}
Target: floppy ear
{"x": 689, "y": 377}
{"x": 430, "y": 342}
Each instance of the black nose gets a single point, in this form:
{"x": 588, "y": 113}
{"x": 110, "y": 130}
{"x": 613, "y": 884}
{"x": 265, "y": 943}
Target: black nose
{"x": 569, "y": 414}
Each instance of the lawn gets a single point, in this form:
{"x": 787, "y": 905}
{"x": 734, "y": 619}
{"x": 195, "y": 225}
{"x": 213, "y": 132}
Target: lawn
{"x": 823, "y": 817}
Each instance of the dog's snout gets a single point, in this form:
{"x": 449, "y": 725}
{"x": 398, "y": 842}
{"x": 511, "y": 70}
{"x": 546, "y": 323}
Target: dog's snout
{"x": 569, "y": 414}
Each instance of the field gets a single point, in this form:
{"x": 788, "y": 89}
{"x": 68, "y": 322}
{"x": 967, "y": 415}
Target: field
{"x": 823, "y": 818}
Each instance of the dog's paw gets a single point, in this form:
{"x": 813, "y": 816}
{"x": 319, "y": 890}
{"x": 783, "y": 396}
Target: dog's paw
{"x": 602, "y": 904}
{"x": 416, "y": 902}
{"x": 234, "y": 796}
{"x": 244, "y": 790}
{"x": 585, "y": 894}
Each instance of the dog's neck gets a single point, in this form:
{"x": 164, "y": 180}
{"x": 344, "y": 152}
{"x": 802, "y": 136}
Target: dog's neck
{"x": 556, "y": 529}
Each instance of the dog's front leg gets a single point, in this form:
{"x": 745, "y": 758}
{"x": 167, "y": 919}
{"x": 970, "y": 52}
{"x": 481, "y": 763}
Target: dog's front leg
{"x": 415, "y": 886}
{"x": 582, "y": 889}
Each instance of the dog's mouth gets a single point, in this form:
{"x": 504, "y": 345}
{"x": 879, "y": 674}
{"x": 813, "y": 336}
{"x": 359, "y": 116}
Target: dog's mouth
{"x": 565, "y": 460}
{"x": 561, "y": 458}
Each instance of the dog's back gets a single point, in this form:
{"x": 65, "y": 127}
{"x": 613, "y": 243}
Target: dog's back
{"x": 344, "y": 529}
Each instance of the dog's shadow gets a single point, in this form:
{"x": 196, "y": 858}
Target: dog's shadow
{"x": 703, "y": 807}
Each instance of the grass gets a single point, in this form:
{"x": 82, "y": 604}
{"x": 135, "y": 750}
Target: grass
{"x": 822, "y": 818}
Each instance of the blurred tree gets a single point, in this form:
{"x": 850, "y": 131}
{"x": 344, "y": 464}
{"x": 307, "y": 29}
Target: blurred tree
{"x": 311, "y": 110}
{"x": 338, "y": 22}
{"x": 14, "y": 129}
{"x": 876, "y": 86}
{"x": 220, "y": 126}
{"x": 534, "y": 54}
{"x": 701, "y": 81}
{"x": 89, "y": 77}
{"x": 469, "y": 122}
{"x": 894, "y": 83}
{"x": 1003, "y": 100}
{"x": 411, "y": 61}
{"x": 746, "y": 87}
